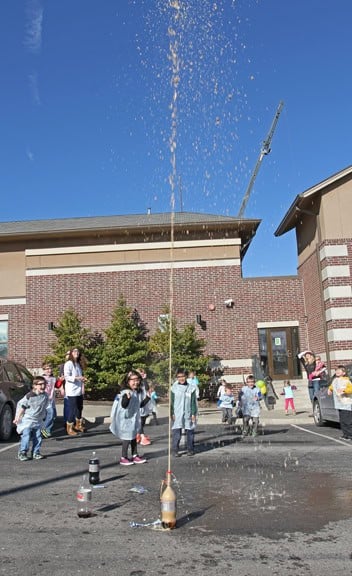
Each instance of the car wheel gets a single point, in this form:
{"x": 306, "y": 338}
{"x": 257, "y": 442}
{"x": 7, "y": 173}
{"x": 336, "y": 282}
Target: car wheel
{"x": 6, "y": 425}
{"x": 318, "y": 419}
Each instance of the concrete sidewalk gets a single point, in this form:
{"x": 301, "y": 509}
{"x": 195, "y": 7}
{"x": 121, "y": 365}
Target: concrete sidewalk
{"x": 99, "y": 412}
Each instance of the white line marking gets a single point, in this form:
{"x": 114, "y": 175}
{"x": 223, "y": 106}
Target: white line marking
{"x": 9, "y": 447}
{"x": 322, "y": 435}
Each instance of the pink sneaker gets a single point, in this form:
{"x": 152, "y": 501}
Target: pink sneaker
{"x": 126, "y": 462}
{"x": 138, "y": 460}
{"x": 145, "y": 441}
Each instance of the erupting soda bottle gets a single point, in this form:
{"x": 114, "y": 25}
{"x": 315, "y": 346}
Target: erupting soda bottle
{"x": 168, "y": 504}
{"x": 84, "y": 499}
{"x": 94, "y": 471}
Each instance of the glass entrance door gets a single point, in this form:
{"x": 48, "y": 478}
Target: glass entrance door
{"x": 278, "y": 349}
{"x": 279, "y": 353}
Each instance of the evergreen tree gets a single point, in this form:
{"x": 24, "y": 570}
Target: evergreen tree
{"x": 187, "y": 351}
{"x": 125, "y": 344}
{"x": 69, "y": 334}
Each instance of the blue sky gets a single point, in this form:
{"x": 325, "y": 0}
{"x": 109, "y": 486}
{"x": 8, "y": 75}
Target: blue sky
{"x": 86, "y": 97}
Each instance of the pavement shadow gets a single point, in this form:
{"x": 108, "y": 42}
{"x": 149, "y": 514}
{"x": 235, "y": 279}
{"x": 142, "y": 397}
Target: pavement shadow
{"x": 110, "y": 507}
{"x": 187, "y": 519}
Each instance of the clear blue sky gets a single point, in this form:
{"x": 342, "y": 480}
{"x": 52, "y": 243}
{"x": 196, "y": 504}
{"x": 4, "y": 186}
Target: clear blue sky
{"x": 85, "y": 108}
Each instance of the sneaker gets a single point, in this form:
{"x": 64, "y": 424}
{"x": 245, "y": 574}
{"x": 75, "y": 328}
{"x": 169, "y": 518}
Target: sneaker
{"x": 145, "y": 441}
{"x": 38, "y": 456}
{"x": 139, "y": 460}
{"x": 126, "y": 462}
{"x": 22, "y": 456}
{"x": 190, "y": 453}
{"x": 45, "y": 433}
{"x": 176, "y": 454}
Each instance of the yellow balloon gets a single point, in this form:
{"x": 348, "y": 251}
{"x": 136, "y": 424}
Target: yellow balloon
{"x": 260, "y": 383}
{"x": 262, "y": 386}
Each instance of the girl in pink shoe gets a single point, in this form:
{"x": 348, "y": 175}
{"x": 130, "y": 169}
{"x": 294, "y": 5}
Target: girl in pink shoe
{"x": 125, "y": 418}
{"x": 288, "y": 393}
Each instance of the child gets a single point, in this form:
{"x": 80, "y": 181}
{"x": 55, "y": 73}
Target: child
{"x": 51, "y": 409}
{"x": 126, "y": 418}
{"x": 226, "y": 405}
{"x": 30, "y": 415}
{"x": 183, "y": 412}
{"x": 320, "y": 371}
{"x": 288, "y": 393}
{"x": 341, "y": 388}
{"x": 146, "y": 407}
{"x": 154, "y": 398}
{"x": 192, "y": 379}
{"x": 250, "y": 404}
{"x": 221, "y": 388}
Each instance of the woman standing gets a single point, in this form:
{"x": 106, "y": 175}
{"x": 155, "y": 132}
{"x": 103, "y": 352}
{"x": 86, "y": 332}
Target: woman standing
{"x": 309, "y": 364}
{"x": 74, "y": 390}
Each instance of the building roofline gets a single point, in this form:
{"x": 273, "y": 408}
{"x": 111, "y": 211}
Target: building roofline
{"x": 88, "y": 223}
{"x": 136, "y": 223}
{"x": 290, "y": 219}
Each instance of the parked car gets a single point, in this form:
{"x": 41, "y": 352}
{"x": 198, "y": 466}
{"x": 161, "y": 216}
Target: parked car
{"x": 323, "y": 405}
{"x": 15, "y": 382}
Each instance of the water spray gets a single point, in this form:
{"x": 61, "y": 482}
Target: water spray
{"x": 167, "y": 494}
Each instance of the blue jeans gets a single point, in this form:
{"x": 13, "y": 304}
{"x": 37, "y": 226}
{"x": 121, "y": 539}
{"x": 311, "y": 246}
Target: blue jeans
{"x": 50, "y": 417}
{"x": 176, "y": 437}
{"x": 313, "y": 387}
{"x": 28, "y": 435}
{"x": 65, "y": 409}
{"x": 75, "y": 407}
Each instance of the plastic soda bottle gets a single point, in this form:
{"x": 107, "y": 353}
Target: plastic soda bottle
{"x": 168, "y": 504}
{"x": 94, "y": 469}
{"x": 84, "y": 499}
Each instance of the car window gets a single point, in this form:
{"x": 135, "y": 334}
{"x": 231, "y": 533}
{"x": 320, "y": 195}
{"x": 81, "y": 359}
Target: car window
{"x": 13, "y": 374}
{"x": 26, "y": 376}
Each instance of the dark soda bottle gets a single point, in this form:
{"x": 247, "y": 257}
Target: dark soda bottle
{"x": 94, "y": 469}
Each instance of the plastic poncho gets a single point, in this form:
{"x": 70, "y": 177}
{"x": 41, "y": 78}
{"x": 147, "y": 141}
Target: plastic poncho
{"x": 183, "y": 405}
{"x": 125, "y": 422}
{"x": 249, "y": 404}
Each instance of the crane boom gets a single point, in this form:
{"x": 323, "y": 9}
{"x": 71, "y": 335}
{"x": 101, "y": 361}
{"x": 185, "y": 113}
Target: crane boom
{"x": 265, "y": 149}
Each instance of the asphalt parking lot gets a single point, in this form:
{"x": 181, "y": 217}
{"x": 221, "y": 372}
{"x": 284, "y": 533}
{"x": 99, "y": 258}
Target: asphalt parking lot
{"x": 274, "y": 504}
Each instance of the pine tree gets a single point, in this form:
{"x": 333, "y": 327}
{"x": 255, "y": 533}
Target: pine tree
{"x": 125, "y": 344}
{"x": 69, "y": 334}
{"x": 187, "y": 351}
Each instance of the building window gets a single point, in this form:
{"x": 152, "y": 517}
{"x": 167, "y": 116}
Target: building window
{"x": 3, "y": 337}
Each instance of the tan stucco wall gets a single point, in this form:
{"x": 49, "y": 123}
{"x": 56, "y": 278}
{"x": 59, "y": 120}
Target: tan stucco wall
{"x": 13, "y": 277}
{"x": 336, "y": 210}
{"x": 307, "y": 237}
{"x": 131, "y": 256}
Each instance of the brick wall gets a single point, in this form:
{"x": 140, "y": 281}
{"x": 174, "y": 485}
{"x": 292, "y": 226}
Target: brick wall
{"x": 230, "y": 333}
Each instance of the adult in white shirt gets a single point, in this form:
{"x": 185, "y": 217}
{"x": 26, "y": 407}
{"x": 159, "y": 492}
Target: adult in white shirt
{"x": 74, "y": 391}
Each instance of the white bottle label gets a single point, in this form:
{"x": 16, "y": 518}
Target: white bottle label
{"x": 84, "y": 495}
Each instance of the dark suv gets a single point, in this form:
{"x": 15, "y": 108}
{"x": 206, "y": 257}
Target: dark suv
{"x": 15, "y": 382}
{"x": 323, "y": 404}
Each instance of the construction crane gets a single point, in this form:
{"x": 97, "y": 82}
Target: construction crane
{"x": 265, "y": 149}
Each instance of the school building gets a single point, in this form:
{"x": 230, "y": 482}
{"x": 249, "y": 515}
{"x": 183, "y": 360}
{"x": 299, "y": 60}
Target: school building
{"x": 48, "y": 266}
